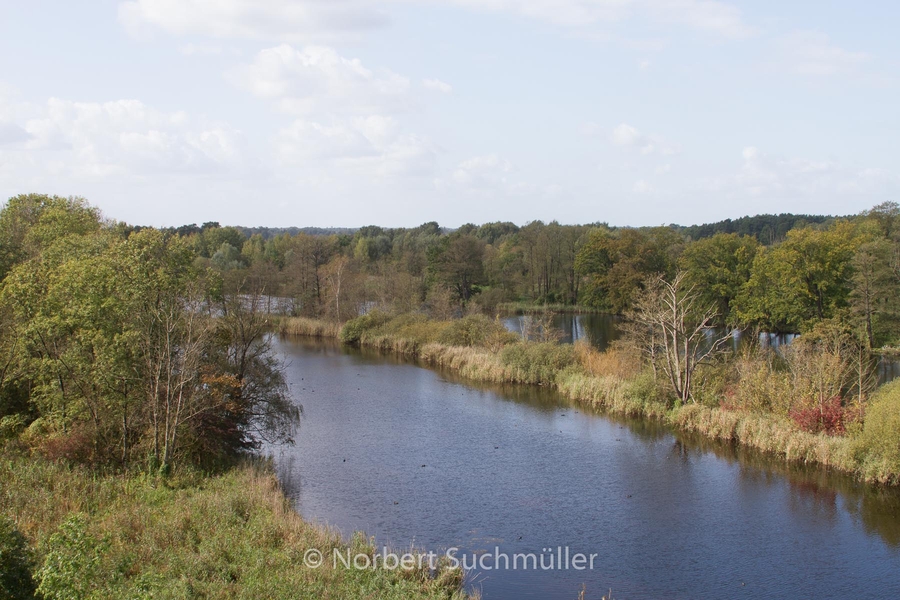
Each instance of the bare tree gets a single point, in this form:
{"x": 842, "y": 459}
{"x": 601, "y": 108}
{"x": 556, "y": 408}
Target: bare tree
{"x": 674, "y": 330}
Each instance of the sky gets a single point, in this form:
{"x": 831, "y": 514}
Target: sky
{"x": 352, "y": 112}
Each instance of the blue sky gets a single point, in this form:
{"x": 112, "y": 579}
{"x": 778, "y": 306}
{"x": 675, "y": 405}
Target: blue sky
{"x": 352, "y": 112}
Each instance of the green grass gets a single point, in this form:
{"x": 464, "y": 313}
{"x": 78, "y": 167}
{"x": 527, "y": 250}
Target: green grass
{"x": 227, "y": 535}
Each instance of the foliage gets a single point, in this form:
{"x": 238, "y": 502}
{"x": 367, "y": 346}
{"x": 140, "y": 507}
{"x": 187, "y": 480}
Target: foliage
{"x": 875, "y": 288}
{"x": 456, "y": 261}
{"x": 829, "y": 417}
{"x": 354, "y": 329}
{"x": 877, "y": 447}
{"x": 111, "y": 336}
{"x": 718, "y": 267}
{"x": 803, "y": 279}
{"x": 476, "y": 330}
{"x": 617, "y": 264}
{"x": 538, "y": 362}
{"x": 767, "y": 229}
{"x": 16, "y": 582}
{"x": 72, "y": 562}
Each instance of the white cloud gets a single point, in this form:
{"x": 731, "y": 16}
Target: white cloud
{"x": 317, "y": 78}
{"x": 482, "y": 171}
{"x": 207, "y": 50}
{"x": 437, "y": 85}
{"x": 491, "y": 177}
{"x": 718, "y": 18}
{"x": 641, "y": 187}
{"x": 90, "y": 139}
{"x": 373, "y": 148}
{"x": 628, "y": 136}
{"x": 282, "y": 20}
{"x": 318, "y": 20}
{"x": 644, "y": 65}
{"x": 812, "y": 53}
{"x": 774, "y": 179}
{"x": 10, "y": 133}
{"x": 711, "y": 16}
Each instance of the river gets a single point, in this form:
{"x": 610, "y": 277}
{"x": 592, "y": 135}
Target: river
{"x": 416, "y": 456}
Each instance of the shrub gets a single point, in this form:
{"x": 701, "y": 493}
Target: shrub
{"x": 413, "y": 326}
{"x": 72, "y": 562}
{"x": 617, "y": 361}
{"x": 15, "y": 563}
{"x": 538, "y": 362}
{"x": 354, "y": 329}
{"x": 829, "y": 417}
{"x": 760, "y": 386}
{"x": 877, "y": 447}
{"x": 476, "y": 330}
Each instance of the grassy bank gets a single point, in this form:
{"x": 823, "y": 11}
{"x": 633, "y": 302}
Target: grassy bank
{"x": 614, "y": 382}
{"x": 228, "y": 535}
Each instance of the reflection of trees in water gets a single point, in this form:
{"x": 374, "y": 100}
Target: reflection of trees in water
{"x": 879, "y": 512}
{"x": 813, "y": 489}
{"x": 808, "y": 498}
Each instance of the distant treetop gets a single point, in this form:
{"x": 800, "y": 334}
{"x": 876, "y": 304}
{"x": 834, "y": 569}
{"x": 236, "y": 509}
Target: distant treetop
{"x": 768, "y": 229}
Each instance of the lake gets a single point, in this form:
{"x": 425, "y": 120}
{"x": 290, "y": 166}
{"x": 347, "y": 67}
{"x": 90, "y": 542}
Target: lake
{"x": 416, "y": 456}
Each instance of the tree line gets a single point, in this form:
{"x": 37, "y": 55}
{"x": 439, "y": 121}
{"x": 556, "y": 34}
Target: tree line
{"x": 776, "y": 273}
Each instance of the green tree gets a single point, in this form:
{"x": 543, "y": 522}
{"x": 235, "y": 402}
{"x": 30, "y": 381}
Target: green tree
{"x": 874, "y": 292}
{"x": 616, "y": 264}
{"x": 804, "y": 279}
{"x": 457, "y": 262}
{"x": 30, "y": 222}
{"x": 718, "y": 267}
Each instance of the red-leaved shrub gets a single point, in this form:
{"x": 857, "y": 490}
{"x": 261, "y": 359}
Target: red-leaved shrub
{"x": 829, "y": 416}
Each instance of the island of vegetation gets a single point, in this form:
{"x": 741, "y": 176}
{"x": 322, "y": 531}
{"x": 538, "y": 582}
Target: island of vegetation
{"x": 137, "y": 379}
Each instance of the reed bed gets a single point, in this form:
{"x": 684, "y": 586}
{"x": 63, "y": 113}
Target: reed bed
{"x": 307, "y": 327}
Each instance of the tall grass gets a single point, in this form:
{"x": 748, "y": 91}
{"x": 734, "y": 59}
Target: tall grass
{"x": 306, "y": 327}
{"x": 231, "y": 535}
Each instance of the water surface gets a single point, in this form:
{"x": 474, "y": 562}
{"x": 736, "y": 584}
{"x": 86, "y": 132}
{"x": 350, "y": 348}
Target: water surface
{"x": 415, "y": 456}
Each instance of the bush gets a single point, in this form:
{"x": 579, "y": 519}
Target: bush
{"x": 618, "y": 361}
{"x": 15, "y": 563}
{"x": 72, "y": 562}
{"x": 354, "y": 329}
{"x": 761, "y": 386}
{"x": 877, "y": 447}
{"x": 476, "y": 330}
{"x": 830, "y": 417}
{"x": 538, "y": 362}
{"x": 413, "y": 326}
